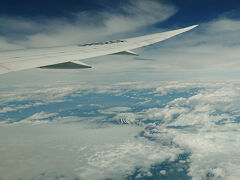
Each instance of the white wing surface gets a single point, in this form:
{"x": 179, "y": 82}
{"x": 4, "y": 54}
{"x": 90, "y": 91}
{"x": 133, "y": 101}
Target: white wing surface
{"x": 68, "y": 57}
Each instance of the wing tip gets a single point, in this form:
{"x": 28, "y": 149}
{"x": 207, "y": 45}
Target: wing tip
{"x": 187, "y": 28}
{"x": 196, "y": 25}
{"x": 193, "y": 26}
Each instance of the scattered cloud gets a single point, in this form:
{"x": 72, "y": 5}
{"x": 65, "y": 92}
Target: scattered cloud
{"x": 113, "y": 110}
{"x": 38, "y": 118}
{"x": 125, "y": 118}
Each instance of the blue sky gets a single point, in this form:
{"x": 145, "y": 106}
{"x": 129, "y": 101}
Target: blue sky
{"x": 190, "y": 11}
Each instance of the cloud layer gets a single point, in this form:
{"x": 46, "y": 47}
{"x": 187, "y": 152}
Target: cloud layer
{"x": 111, "y": 140}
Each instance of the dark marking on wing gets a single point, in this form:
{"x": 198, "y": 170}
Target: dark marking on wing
{"x": 102, "y": 43}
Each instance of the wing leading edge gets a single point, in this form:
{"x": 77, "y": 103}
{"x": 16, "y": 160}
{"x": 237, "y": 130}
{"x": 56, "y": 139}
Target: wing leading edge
{"x": 17, "y": 60}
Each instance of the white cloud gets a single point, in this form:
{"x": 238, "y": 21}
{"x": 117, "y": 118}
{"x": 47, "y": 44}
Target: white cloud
{"x": 6, "y": 109}
{"x": 20, "y": 107}
{"x": 85, "y": 26}
{"x": 7, "y": 45}
{"x": 37, "y": 118}
{"x": 124, "y": 158}
{"x": 210, "y": 134}
{"x": 163, "y": 172}
{"x": 206, "y": 120}
{"x": 36, "y": 95}
{"x": 114, "y": 110}
{"x": 212, "y": 47}
{"x": 125, "y": 118}
{"x": 77, "y": 151}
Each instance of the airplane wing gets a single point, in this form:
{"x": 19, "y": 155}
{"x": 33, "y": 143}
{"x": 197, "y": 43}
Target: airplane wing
{"x": 68, "y": 57}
